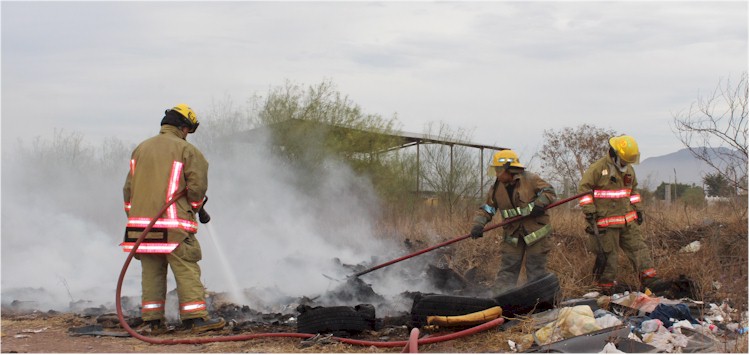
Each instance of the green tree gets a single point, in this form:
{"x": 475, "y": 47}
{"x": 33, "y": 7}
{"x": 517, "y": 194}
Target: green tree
{"x": 693, "y": 196}
{"x": 717, "y": 185}
{"x": 677, "y": 190}
{"x": 310, "y": 126}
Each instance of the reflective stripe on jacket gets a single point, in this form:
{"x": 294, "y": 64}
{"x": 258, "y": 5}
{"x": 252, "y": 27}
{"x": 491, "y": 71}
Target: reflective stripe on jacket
{"x": 160, "y": 167}
{"x": 530, "y": 189}
{"x": 614, "y": 200}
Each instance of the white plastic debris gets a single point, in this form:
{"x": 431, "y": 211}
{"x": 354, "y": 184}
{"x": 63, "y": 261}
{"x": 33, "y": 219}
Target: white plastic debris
{"x": 513, "y": 346}
{"x": 666, "y": 341}
{"x": 632, "y": 336}
{"x": 571, "y": 321}
{"x": 683, "y": 324}
{"x": 608, "y": 320}
{"x": 610, "y": 348}
{"x": 650, "y": 325}
{"x": 692, "y": 247}
{"x": 591, "y": 295}
{"x": 34, "y": 330}
{"x": 719, "y": 314}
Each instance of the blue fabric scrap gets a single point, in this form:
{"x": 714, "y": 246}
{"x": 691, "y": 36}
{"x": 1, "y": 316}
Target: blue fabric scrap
{"x": 666, "y": 313}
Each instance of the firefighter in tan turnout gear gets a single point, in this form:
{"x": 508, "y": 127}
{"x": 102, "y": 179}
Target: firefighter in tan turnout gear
{"x": 614, "y": 213}
{"x": 517, "y": 192}
{"x": 160, "y": 168}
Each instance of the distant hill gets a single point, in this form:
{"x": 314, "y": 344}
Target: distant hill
{"x": 689, "y": 170}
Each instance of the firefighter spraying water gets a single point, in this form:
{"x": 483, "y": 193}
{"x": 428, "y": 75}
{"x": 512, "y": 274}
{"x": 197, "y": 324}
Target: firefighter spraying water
{"x": 161, "y": 167}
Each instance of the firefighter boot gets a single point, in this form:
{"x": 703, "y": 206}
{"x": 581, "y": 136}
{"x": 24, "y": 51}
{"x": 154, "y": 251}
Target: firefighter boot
{"x": 200, "y": 325}
{"x": 607, "y": 288}
{"x": 153, "y": 327}
{"x": 657, "y": 286}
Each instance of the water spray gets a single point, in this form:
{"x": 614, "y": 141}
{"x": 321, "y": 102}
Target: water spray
{"x": 410, "y": 344}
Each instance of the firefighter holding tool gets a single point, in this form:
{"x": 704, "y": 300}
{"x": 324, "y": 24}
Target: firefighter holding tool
{"x": 160, "y": 168}
{"x": 517, "y": 192}
{"x": 614, "y": 214}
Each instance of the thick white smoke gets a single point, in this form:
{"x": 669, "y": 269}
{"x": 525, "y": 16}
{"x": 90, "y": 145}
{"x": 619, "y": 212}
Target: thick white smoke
{"x": 273, "y": 236}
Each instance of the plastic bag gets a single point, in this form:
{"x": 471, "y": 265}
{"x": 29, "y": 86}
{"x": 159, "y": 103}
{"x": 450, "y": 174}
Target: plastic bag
{"x": 571, "y": 321}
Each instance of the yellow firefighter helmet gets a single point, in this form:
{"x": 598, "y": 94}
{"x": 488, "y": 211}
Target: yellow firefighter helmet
{"x": 189, "y": 116}
{"x": 626, "y": 148}
{"x": 504, "y": 159}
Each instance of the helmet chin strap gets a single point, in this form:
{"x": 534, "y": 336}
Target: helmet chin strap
{"x": 618, "y": 164}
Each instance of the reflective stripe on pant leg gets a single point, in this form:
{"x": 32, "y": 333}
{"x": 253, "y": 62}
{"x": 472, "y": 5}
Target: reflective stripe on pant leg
{"x": 153, "y": 286}
{"x": 192, "y": 308}
{"x": 648, "y": 273}
{"x": 187, "y": 273}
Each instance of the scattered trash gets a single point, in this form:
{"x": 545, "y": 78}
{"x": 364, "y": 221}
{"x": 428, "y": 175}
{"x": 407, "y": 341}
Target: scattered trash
{"x": 651, "y": 325}
{"x": 666, "y": 341}
{"x": 95, "y": 330}
{"x": 571, "y": 321}
{"x": 513, "y": 346}
{"x": 33, "y": 330}
{"x": 669, "y": 314}
{"x": 607, "y": 321}
{"x": 610, "y": 348}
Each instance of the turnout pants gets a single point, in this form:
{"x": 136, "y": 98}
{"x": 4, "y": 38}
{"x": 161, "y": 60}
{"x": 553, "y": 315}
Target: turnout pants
{"x": 512, "y": 260}
{"x": 630, "y": 239}
{"x": 184, "y": 264}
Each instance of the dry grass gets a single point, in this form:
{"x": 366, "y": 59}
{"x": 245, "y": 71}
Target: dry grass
{"x": 722, "y": 260}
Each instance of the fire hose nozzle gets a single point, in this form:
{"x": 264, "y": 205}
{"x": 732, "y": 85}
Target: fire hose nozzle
{"x": 203, "y": 216}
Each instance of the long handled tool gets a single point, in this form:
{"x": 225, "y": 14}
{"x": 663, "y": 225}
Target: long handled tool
{"x": 487, "y": 228}
{"x": 601, "y": 258}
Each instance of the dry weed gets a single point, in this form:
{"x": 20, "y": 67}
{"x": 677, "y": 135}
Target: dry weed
{"x": 719, "y": 268}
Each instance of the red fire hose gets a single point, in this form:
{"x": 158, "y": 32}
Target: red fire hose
{"x": 384, "y": 344}
{"x": 458, "y": 239}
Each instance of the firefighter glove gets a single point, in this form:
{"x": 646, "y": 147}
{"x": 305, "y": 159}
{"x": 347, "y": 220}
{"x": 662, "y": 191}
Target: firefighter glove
{"x": 477, "y": 231}
{"x": 537, "y": 211}
{"x": 640, "y": 217}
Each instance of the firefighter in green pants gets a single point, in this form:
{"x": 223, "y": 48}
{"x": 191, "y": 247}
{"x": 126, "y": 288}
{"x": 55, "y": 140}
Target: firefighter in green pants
{"x": 614, "y": 214}
{"x": 517, "y": 192}
{"x": 160, "y": 168}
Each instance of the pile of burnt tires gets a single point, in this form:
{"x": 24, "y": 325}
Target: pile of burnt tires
{"x": 339, "y": 320}
{"x": 535, "y": 296}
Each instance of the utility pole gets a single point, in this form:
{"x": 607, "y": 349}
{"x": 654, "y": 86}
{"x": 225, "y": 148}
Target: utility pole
{"x": 675, "y": 183}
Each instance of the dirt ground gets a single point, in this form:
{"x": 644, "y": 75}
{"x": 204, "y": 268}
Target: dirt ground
{"x": 48, "y": 333}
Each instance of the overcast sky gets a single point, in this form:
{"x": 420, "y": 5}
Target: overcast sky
{"x": 504, "y": 71}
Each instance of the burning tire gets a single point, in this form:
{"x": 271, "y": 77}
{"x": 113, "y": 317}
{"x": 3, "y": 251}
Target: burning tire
{"x": 538, "y": 295}
{"x": 319, "y": 320}
{"x": 443, "y": 305}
